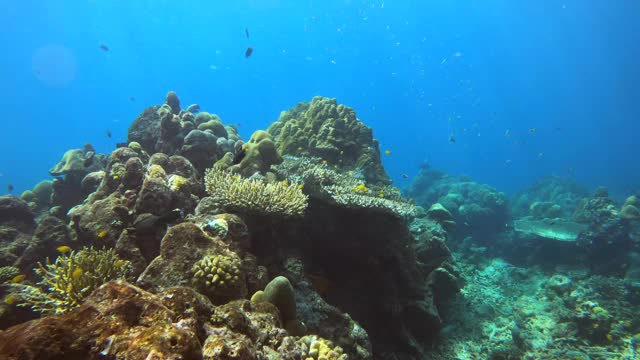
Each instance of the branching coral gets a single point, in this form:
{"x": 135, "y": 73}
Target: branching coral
{"x": 254, "y": 196}
{"x": 344, "y": 188}
{"x": 65, "y": 283}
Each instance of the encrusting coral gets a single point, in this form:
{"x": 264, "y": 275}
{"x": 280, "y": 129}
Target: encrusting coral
{"x": 65, "y": 283}
{"x": 235, "y": 193}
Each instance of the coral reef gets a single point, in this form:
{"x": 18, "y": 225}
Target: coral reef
{"x": 332, "y": 132}
{"x": 549, "y": 197}
{"x": 200, "y": 221}
{"x": 346, "y": 189}
{"x": 254, "y": 196}
{"x": 477, "y": 209}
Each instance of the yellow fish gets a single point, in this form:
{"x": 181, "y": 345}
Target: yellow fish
{"x": 387, "y": 152}
{"x": 102, "y": 234}
{"x": 299, "y": 186}
{"x": 63, "y": 249}
{"x": 324, "y": 162}
{"x": 361, "y": 187}
{"x": 341, "y": 152}
{"x": 381, "y": 195}
{"x": 75, "y": 275}
{"x": 120, "y": 263}
{"x": 11, "y": 299}
{"x": 18, "y": 279}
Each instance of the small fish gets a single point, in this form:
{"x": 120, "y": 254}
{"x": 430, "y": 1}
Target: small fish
{"x": 75, "y": 275}
{"x": 532, "y": 131}
{"x": 540, "y": 154}
{"x": 246, "y": 32}
{"x": 452, "y": 139}
{"x": 63, "y": 249}
{"x": 132, "y": 98}
{"x": 248, "y": 52}
{"x": 11, "y": 299}
{"x": 10, "y": 188}
{"x": 18, "y": 279}
{"x": 193, "y": 108}
{"x": 102, "y": 234}
{"x": 109, "y": 133}
{"x": 387, "y": 152}
{"x": 405, "y": 176}
{"x": 507, "y": 133}
{"x": 300, "y": 186}
{"x": 120, "y": 263}
{"x": 107, "y": 349}
{"x": 104, "y": 47}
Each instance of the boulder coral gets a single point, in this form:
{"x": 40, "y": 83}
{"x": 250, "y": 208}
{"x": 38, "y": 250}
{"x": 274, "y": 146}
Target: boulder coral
{"x": 325, "y": 129}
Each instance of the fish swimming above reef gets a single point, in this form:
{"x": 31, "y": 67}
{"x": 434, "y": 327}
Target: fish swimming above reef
{"x": 132, "y": 98}
{"x": 109, "y": 133}
{"x": 246, "y": 32}
{"x": 147, "y": 224}
{"x": 452, "y": 139}
{"x": 193, "y": 108}
{"x": 104, "y": 47}
{"x": 248, "y": 52}
{"x": 10, "y": 188}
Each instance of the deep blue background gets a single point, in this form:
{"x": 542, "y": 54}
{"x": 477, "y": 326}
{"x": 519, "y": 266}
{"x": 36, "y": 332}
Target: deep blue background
{"x": 417, "y": 72}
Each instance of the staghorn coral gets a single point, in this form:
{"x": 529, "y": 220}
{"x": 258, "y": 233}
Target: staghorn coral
{"x": 344, "y": 188}
{"x": 65, "y": 283}
{"x": 7, "y": 273}
{"x": 216, "y": 273}
{"x": 253, "y": 196}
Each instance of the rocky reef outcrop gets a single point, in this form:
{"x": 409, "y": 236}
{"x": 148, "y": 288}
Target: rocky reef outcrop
{"x": 225, "y": 249}
{"x": 477, "y": 209}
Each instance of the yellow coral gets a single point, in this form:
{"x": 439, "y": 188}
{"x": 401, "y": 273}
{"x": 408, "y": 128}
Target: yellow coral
{"x": 157, "y": 172}
{"x": 65, "y": 283}
{"x": 177, "y": 182}
{"x": 214, "y": 273}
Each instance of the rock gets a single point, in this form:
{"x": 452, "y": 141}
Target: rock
{"x": 201, "y": 148}
{"x": 50, "y": 233}
{"x": 145, "y": 129}
{"x": 15, "y": 212}
{"x": 118, "y": 320}
{"x": 101, "y": 222}
{"x": 173, "y": 101}
{"x": 182, "y": 246}
{"x": 154, "y": 197}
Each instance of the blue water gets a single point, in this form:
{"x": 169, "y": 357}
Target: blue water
{"x": 560, "y": 78}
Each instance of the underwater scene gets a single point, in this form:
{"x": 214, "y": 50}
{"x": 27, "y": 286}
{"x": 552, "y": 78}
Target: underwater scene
{"x": 320, "y": 180}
